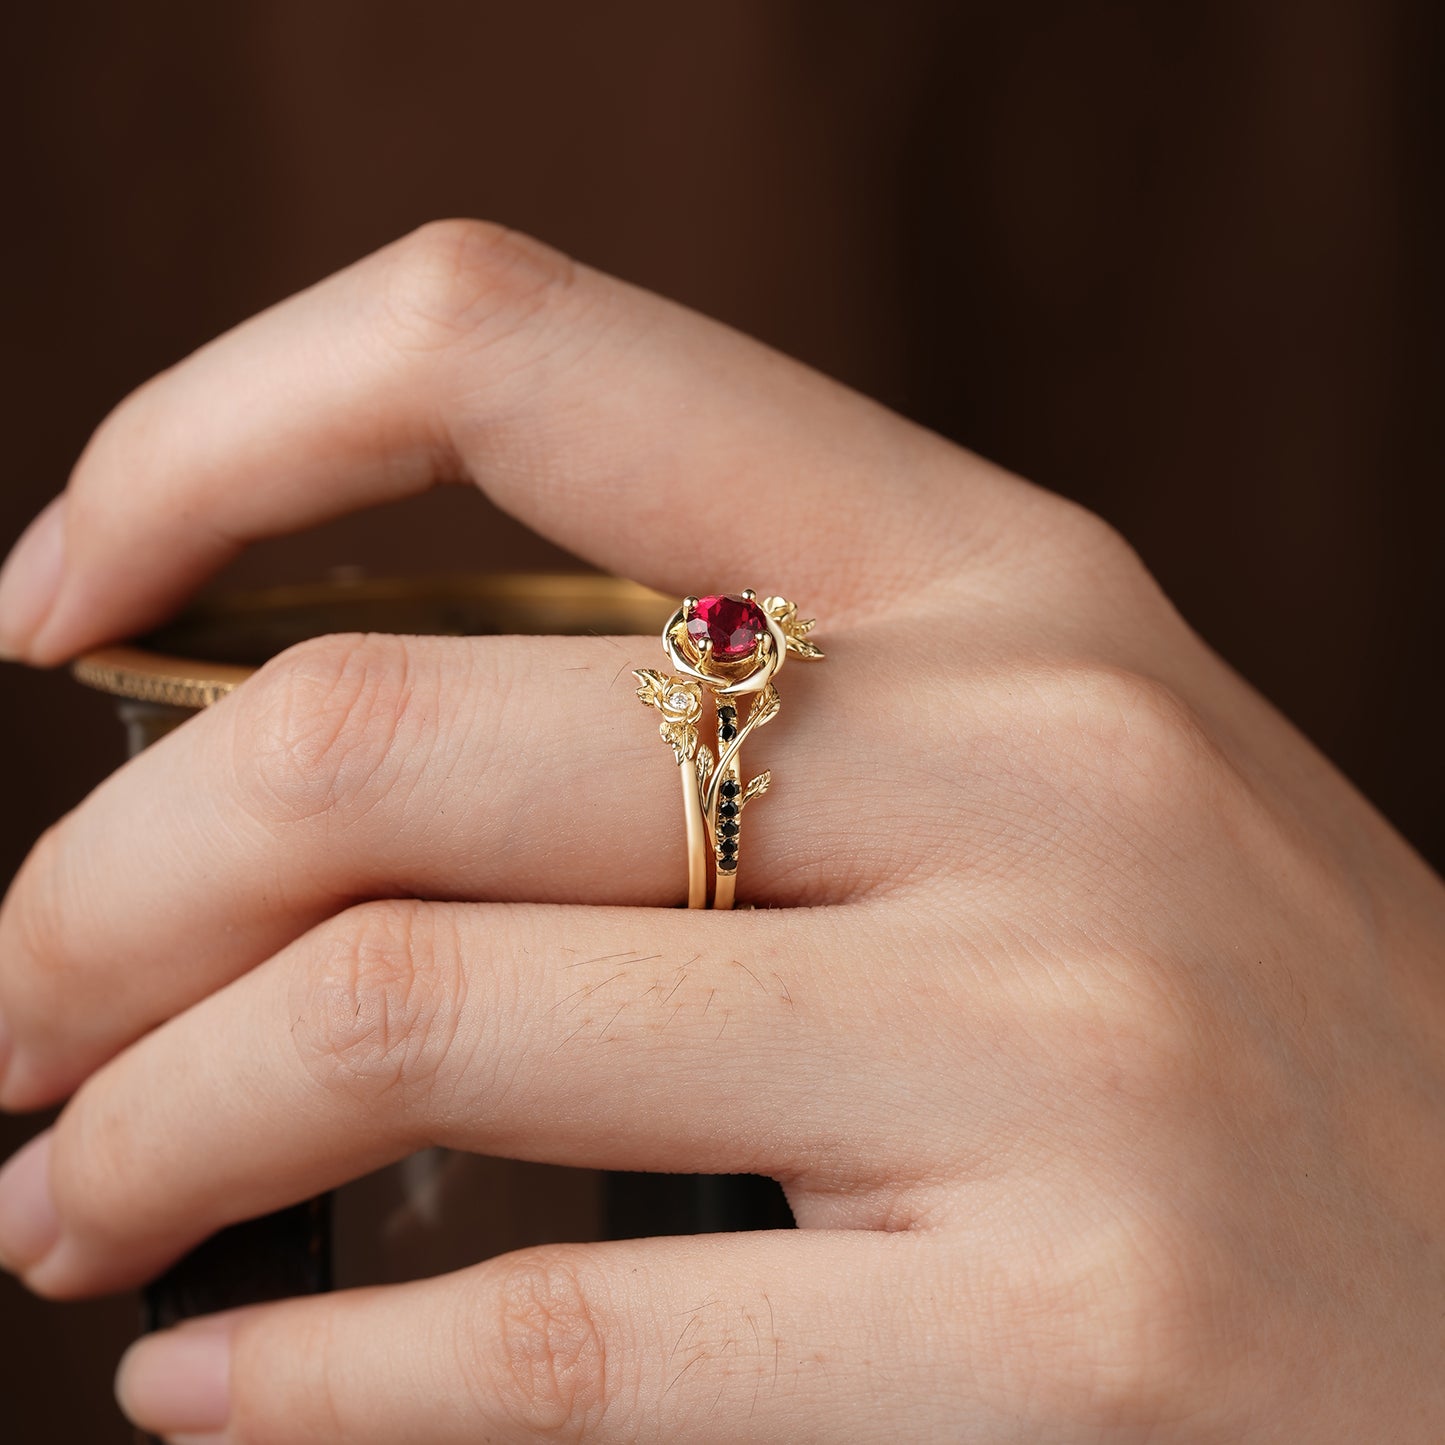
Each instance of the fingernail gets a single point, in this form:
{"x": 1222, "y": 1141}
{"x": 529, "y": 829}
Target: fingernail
{"x": 29, "y": 1225}
{"x": 178, "y": 1383}
{"x": 30, "y": 579}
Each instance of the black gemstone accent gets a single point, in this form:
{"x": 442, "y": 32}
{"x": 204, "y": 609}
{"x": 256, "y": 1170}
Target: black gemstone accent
{"x": 727, "y": 865}
{"x": 728, "y": 810}
{"x": 728, "y": 828}
{"x": 727, "y": 734}
{"x": 731, "y": 788}
{"x": 728, "y": 714}
{"x": 728, "y": 845}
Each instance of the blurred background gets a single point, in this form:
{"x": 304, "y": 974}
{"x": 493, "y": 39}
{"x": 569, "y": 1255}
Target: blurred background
{"x": 1178, "y": 261}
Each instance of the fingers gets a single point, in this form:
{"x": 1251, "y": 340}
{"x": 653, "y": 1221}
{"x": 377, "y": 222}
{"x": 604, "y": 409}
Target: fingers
{"x": 826, "y": 1337}
{"x": 601, "y": 1038}
{"x": 645, "y": 438}
{"x": 499, "y": 768}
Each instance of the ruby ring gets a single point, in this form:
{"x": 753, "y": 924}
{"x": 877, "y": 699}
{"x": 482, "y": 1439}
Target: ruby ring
{"x": 727, "y": 649}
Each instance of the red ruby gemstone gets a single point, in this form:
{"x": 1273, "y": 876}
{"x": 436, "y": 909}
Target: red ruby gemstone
{"x": 732, "y": 624}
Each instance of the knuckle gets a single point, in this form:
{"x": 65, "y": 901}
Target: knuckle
{"x": 1138, "y": 1350}
{"x": 322, "y": 730}
{"x": 1087, "y": 563}
{"x": 1129, "y": 744}
{"x": 458, "y": 279}
{"x": 1095, "y": 545}
{"x": 545, "y": 1360}
{"x": 376, "y": 999}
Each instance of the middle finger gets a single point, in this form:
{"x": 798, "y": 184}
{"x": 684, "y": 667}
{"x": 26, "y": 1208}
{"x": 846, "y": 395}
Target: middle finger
{"x": 601, "y": 1038}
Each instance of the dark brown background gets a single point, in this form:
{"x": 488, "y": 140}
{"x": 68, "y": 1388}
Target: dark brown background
{"x": 1179, "y": 261}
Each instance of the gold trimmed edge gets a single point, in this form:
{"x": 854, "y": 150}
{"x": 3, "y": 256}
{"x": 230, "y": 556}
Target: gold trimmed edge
{"x": 547, "y": 599}
{"x": 143, "y": 676}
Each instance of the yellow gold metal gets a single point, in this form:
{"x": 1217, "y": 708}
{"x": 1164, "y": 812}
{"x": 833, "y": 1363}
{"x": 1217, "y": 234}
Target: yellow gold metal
{"x": 696, "y": 839}
{"x": 744, "y": 699}
{"x": 132, "y": 672}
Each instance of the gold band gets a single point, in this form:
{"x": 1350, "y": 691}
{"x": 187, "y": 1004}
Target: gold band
{"x": 728, "y": 648}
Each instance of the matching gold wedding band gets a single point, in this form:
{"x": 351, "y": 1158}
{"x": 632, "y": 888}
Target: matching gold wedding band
{"x": 726, "y": 649}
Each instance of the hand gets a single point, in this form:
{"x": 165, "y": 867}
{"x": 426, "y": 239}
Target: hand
{"x": 1096, "y": 1031}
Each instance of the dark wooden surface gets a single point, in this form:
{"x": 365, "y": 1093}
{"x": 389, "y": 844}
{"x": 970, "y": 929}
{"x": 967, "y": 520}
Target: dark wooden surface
{"x": 1178, "y": 261}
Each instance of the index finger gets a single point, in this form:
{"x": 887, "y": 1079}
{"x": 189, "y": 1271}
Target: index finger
{"x": 640, "y": 435}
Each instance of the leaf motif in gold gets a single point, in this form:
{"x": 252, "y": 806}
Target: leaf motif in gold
{"x": 652, "y": 688}
{"x": 801, "y": 648}
{"x": 682, "y": 737}
{"x": 757, "y": 787}
{"x": 765, "y": 709}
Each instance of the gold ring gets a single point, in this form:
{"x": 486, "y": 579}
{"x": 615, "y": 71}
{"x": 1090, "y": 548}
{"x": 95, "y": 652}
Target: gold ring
{"x": 727, "y": 648}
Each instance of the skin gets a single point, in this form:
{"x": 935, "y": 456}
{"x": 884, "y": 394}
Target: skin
{"x": 1095, "y": 1026}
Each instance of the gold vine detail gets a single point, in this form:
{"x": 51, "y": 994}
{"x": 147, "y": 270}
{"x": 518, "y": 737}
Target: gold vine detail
{"x": 795, "y": 628}
{"x": 762, "y": 712}
{"x": 680, "y": 703}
